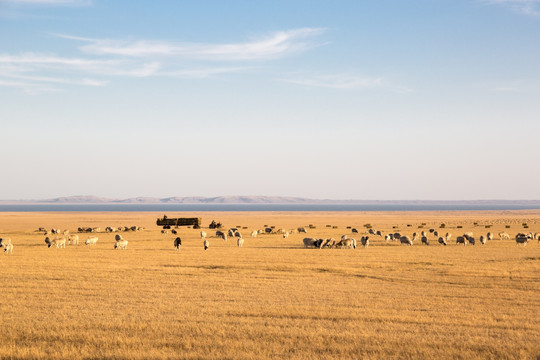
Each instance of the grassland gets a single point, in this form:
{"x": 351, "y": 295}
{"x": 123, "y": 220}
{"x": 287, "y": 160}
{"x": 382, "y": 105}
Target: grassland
{"x": 272, "y": 298}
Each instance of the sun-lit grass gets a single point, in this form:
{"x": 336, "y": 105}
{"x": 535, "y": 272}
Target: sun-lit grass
{"x": 272, "y": 298}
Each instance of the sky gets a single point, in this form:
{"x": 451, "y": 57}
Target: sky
{"x": 359, "y": 99}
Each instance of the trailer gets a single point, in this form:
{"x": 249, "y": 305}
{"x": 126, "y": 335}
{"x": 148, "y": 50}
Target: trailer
{"x": 167, "y": 222}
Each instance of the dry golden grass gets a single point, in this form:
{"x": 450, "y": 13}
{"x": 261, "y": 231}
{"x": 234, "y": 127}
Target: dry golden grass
{"x": 272, "y": 298}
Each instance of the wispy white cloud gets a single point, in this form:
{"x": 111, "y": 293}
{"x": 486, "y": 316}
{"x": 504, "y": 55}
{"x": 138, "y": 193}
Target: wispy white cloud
{"x": 275, "y": 45}
{"x": 528, "y": 7}
{"x": 109, "y": 58}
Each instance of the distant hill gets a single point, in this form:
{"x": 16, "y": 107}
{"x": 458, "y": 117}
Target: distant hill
{"x": 88, "y": 199}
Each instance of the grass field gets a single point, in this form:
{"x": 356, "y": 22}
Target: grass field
{"x": 272, "y": 298}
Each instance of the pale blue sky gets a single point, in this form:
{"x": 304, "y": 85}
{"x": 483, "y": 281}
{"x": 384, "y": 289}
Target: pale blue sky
{"x": 381, "y": 99}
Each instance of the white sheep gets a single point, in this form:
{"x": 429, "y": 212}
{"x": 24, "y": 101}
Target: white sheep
{"x": 121, "y": 244}
{"x": 92, "y": 240}
{"x": 206, "y": 244}
{"x": 203, "y": 235}
{"x": 240, "y": 242}
{"x": 254, "y": 233}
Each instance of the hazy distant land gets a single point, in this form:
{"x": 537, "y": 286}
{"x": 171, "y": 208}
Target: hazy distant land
{"x": 260, "y": 200}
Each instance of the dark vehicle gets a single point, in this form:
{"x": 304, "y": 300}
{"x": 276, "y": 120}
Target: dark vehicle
{"x": 166, "y": 222}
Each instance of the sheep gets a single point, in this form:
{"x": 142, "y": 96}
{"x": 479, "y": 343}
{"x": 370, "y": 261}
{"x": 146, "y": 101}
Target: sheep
{"x": 489, "y": 236}
{"x": 364, "y": 241}
{"x": 237, "y": 234}
{"x": 327, "y": 242}
{"x": 522, "y": 239}
{"x": 121, "y": 244}
{"x": 206, "y": 244}
{"x": 461, "y": 240}
{"x": 59, "y": 242}
{"x": 423, "y": 233}
{"x": 425, "y": 240}
{"x": 309, "y": 242}
{"x": 285, "y": 234}
{"x": 231, "y": 232}
{"x": 483, "y": 239}
{"x": 436, "y": 233}
{"x": 379, "y": 233}
{"x": 442, "y": 241}
{"x": 254, "y": 234}
{"x": 174, "y": 232}
{"x": 471, "y": 240}
{"x": 354, "y": 231}
{"x": 177, "y": 243}
{"x": 8, "y": 246}
{"x": 302, "y": 230}
{"x": 92, "y": 240}
{"x": 240, "y": 242}
{"x": 447, "y": 236}
{"x": 468, "y": 234}
{"x": 203, "y": 235}
{"x": 65, "y": 232}
{"x": 397, "y": 235}
{"x": 504, "y": 236}
{"x": 389, "y": 237}
{"x": 347, "y": 243}
{"x": 405, "y": 240}
{"x": 73, "y": 239}
{"x": 118, "y": 237}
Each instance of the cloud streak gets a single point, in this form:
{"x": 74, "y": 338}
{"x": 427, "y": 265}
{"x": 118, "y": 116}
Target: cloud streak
{"x": 275, "y": 45}
{"x": 528, "y": 7}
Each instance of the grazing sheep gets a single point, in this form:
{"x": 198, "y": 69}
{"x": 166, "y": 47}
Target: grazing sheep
{"x": 371, "y": 232}
{"x": 302, "y": 230}
{"x": 73, "y": 239}
{"x": 237, "y": 234}
{"x": 364, "y": 240}
{"x": 432, "y": 230}
{"x": 203, "y": 235}
{"x": 118, "y": 237}
{"x": 174, "y": 232}
{"x": 405, "y": 240}
{"x": 504, "y": 236}
{"x": 389, "y": 237}
{"x": 8, "y": 246}
{"x": 423, "y": 233}
{"x": 254, "y": 234}
{"x": 121, "y": 244}
{"x": 461, "y": 240}
{"x": 65, "y": 232}
{"x": 220, "y": 234}
{"x": 354, "y": 231}
{"x": 442, "y": 241}
{"x": 309, "y": 242}
{"x": 379, "y": 233}
{"x": 425, "y": 240}
{"x": 436, "y": 233}
{"x": 327, "y": 242}
{"x": 268, "y": 230}
{"x": 483, "y": 239}
{"x": 489, "y": 236}
{"x": 347, "y": 243}
{"x": 231, "y": 232}
{"x": 522, "y": 239}
{"x": 206, "y": 244}
{"x": 59, "y": 242}
{"x": 92, "y": 240}
{"x": 468, "y": 234}
{"x": 177, "y": 243}
{"x": 397, "y": 235}
{"x": 471, "y": 240}
{"x": 447, "y": 236}
{"x": 285, "y": 234}
{"x": 240, "y": 242}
